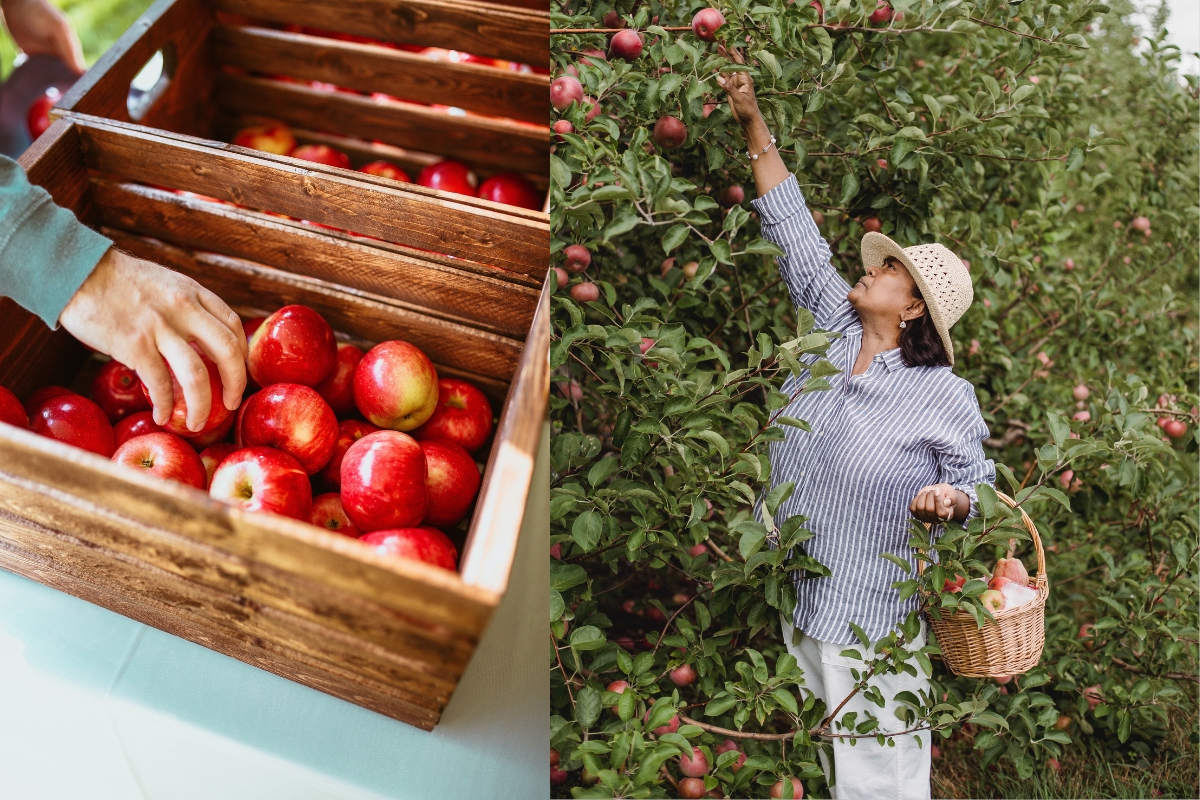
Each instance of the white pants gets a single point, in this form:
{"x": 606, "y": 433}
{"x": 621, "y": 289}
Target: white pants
{"x": 866, "y": 771}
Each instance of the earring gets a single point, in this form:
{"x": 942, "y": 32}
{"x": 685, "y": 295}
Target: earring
{"x": 901, "y": 323}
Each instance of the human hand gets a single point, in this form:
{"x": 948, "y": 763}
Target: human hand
{"x": 140, "y": 313}
{"x": 39, "y": 28}
{"x": 938, "y": 503}
{"x": 739, "y": 88}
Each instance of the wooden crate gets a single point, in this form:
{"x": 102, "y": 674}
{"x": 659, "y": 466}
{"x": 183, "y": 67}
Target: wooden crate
{"x": 221, "y": 75}
{"x": 315, "y": 607}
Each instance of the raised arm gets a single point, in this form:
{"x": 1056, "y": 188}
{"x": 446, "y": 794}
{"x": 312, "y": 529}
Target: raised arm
{"x": 808, "y": 266}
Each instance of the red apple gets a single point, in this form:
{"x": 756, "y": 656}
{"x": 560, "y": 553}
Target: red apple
{"x": 138, "y": 424}
{"x": 691, "y": 787}
{"x": 694, "y": 764}
{"x": 216, "y": 435}
{"x": 732, "y": 196}
{"x": 293, "y": 345}
{"x": 576, "y": 258}
{"x": 1175, "y": 428}
{"x": 463, "y": 415}
{"x": 383, "y": 481}
{"x": 1141, "y": 224}
{"x": 338, "y": 386}
{"x": 396, "y": 386}
{"x": 321, "y": 154}
{"x": 270, "y": 138}
{"x": 626, "y": 44}
{"x": 797, "y": 789}
{"x": 882, "y": 13}
{"x": 1081, "y": 392}
{"x": 77, "y": 421}
{"x": 35, "y": 400}
{"x": 511, "y": 189}
{"x": 211, "y": 458}
{"x": 560, "y": 127}
{"x": 565, "y": 90}
{"x": 163, "y": 455}
{"x": 725, "y": 747}
{"x": 696, "y": 550}
{"x": 263, "y": 479}
{"x": 561, "y": 277}
{"x": 449, "y": 176}
{"x": 669, "y": 132}
{"x": 705, "y": 24}
{"x": 619, "y": 687}
{"x": 37, "y": 118}
{"x": 872, "y": 224}
{"x": 177, "y": 422}
{"x": 291, "y": 418}
{"x": 593, "y": 108}
{"x": 586, "y": 292}
{"x": 385, "y": 169}
{"x": 1093, "y": 696}
{"x": 420, "y": 544}
{"x": 954, "y": 586}
{"x": 451, "y": 482}
{"x": 349, "y": 432}
{"x": 683, "y": 675}
{"x": 327, "y": 512}
{"x": 13, "y": 413}
{"x": 671, "y": 726}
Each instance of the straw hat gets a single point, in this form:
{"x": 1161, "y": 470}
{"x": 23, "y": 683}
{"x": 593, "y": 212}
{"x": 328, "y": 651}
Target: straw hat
{"x": 940, "y": 275}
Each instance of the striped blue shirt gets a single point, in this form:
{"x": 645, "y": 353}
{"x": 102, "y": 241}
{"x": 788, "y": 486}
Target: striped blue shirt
{"x": 876, "y": 440}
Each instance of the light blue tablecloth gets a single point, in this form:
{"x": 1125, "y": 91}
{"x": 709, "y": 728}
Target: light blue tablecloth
{"x": 95, "y": 706}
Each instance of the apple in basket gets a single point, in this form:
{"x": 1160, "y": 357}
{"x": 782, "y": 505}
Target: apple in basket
{"x": 993, "y": 600}
{"x": 1012, "y": 581}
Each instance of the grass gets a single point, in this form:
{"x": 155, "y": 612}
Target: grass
{"x": 1173, "y": 772}
{"x": 99, "y": 24}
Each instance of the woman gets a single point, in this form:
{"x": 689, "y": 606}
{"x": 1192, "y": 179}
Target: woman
{"x": 898, "y": 434}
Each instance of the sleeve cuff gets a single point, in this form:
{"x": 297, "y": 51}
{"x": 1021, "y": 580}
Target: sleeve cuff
{"x": 781, "y": 203}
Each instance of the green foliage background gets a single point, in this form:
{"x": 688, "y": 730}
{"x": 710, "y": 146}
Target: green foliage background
{"x": 655, "y": 452}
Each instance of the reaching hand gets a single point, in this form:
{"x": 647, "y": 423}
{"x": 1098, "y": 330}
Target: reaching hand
{"x": 936, "y": 503}
{"x": 140, "y": 313}
{"x": 39, "y": 28}
{"x": 739, "y": 88}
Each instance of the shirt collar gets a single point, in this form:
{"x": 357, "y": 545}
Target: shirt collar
{"x": 893, "y": 359}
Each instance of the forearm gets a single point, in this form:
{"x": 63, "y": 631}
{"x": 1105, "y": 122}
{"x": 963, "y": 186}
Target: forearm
{"x": 769, "y": 169}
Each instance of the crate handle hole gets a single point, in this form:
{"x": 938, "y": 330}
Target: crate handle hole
{"x": 151, "y": 82}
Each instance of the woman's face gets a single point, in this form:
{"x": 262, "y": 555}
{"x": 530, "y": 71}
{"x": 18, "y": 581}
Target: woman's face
{"x": 886, "y": 292}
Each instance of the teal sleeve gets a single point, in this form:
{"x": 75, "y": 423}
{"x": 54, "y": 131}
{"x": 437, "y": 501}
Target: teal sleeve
{"x": 45, "y": 252}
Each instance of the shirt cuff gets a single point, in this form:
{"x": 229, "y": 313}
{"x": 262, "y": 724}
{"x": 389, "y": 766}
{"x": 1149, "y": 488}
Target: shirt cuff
{"x": 781, "y": 203}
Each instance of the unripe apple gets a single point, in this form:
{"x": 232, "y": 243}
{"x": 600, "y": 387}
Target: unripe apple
{"x": 1140, "y": 224}
{"x": 1092, "y": 695}
{"x": 586, "y": 292}
{"x": 1063, "y": 722}
{"x": 705, "y": 24}
{"x": 694, "y": 765}
{"x": 561, "y": 277}
{"x": 1069, "y": 264}
{"x": 882, "y": 13}
{"x": 683, "y": 675}
{"x": 872, "y": 224}
{"x": 691, "y": 787}
{"x": 577, "y": 258}
{"x": 732, "y": 196}
{"x": 666, "y": 265}
{"x": 777, "y": 791}
{"x": 1081, "y": 392}
{"x": 992, "y": 600}
{"x": 818, "y": 218}
{"x": 626, "y": 44}
{"x": 882, "y": 162}
{"x": 696, "y": 550}
{"x": 690, "y": 269}
{"x": 1175, "y": 428}
{"x": 565, "y": 90}
{"x": 669, "y": 132}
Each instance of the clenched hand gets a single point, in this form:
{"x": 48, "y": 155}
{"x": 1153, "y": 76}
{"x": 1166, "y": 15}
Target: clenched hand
{"x": 940, "y": 502}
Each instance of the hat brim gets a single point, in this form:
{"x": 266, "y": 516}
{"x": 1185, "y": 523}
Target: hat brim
{"x": 875, "y": 248}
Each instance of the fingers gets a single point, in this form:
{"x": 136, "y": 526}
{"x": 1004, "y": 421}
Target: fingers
{"x": 152, "y": 371}
{"x": 192, "y": 375}
{"x": 228, "y": 351}
{"x": 226, "y": 316}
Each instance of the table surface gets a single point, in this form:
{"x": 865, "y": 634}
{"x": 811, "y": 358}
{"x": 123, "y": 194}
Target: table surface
{"x": 94, "y": 705}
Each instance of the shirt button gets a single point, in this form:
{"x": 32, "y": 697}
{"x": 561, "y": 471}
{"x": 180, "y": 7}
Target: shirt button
{"x": 801, "y": 474}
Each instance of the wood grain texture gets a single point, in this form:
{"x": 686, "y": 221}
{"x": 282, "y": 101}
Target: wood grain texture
{"x": 430, "y": 288}
{"x": 373, "y": 68}
{"x": 484, "y": 29}
{"x": 500, "y": 236}
{"x": 486, "y": 141}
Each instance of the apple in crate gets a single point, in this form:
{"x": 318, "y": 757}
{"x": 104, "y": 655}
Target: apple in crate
{"x": 327, "y": 513}
{"x": 420, "y": 544}
{"x": 217, "y": 412}
{"x": 77, "y": 421}
{"x": 349, "y": 432}
{"x": 511, "y": 189}
{"x": 463, "y": 415}
{"x": 293, "y": 345}
{"x": 383, "y": 481}
{"x": 451, "y": 480}
{"x": 272, "y": 137}
{"x": 263, "y": 479}
{"x": 385, "y": 169}
{"x": 11, "y": 410}
{"x": 117, "y": 390}
{"x": 396, "y": 386}
{"x": 338, "y": 386}
{"x": 35, "y": 400}
{"x": 216, "y": 435}
{"x": 37, "y": 118}
{"x": 291, "y": 418}
{"x": 138, "y": 424}
{"x": 211, "y": 458}
{"x": 321, "y": 154}
{"x": 449, "y": 176}
{"x": 166, "y": 456}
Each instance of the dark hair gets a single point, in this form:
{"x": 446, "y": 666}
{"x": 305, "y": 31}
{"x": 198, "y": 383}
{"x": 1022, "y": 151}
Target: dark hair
{"x": 920, "y": 343}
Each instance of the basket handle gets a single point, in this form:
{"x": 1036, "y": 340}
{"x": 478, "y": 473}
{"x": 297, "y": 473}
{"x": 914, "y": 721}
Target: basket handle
{"x": 1041, "y": 579}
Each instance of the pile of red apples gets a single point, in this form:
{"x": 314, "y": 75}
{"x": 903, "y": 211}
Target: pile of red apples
{"x": 370, "y": 445}
{"x": 1008, "y": 587}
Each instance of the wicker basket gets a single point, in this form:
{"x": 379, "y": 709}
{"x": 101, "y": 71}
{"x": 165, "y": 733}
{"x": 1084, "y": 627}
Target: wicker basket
{"x": 1013, "y": 643}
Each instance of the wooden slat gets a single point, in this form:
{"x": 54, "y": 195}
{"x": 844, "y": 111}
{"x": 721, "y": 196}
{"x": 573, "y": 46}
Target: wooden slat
{"x": 373, "y": 68}
{"x": 17, "y": 555}
{"x": 511, "y": 239}
{"x": 484, "y": 29}
{"x": 497, "y": 143}
{"x": 492, "y": 540}
{"x": 425, "y": 287}
{"x": 186, "y": 106}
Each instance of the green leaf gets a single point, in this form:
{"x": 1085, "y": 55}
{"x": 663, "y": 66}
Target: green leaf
{"x": 589, "y": 637}
{"x": 721, "y": 252}
{"x": 1075, "y": 159}
{"x": 1057, "y": 495}
{"x": 587, "y": 529}
{"x": 566, "y": 576}
{"x": 719, "y": 705}
{"x": 601, "y": 470}
{"x": 1059, "y": 428}
{"x": 898, "y": 561}
{"x": 751, "y": 542}
{"x": 765, "y": 248}
{"x": 557, "y": 606}
{"x": 559, "y": 172}
{"x": 935, "y": 108}
{"x": 786, "y": 700}
{"x": 778, "y": 496}
{"x": 674, "y": 237}
{"x": 587, "y": 706}
{"x": 715, "y": 439}
{"x": 862, "y": 637}
{"x": 626, "y": 704}
{"x": 849, "y": 188}
{"x": 987, "y": 499}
